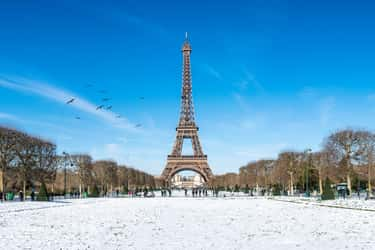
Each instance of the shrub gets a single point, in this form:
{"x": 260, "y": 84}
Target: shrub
{"x": 94, "y": 192}
{"x": 276, "y": 189}
{"x": 43, "y": 194}
{"x": 328, "y": 193}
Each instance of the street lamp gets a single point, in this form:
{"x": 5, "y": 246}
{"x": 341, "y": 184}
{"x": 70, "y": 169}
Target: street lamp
{"x": 67, "y": 156}
{"x": 308, "y": 166}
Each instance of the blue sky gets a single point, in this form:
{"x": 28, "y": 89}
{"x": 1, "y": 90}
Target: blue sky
{"x": 267, "y": 75}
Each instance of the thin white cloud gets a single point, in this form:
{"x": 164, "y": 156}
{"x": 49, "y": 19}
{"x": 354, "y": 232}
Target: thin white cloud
{"x": 252, "y": 81}
{"x": 61, "y": 96}
{"x": 307, "y": 92}
{"x": 212, "y": 71}
{"x": 241, "y": 101}
{"x": 6, "y": 116}
{"x": 261, "y": 151}
{"x": 371, "y": 97}
{"x": 326, "y": 107}
{"x": 248, "y": 81}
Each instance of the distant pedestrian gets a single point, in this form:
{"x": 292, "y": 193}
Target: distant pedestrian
{"x": 20, "y": 195}
{"x": 32, "y": 195}
{"x": 185, "y": 192}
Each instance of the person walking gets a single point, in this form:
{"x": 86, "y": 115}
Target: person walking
{"x": 20, "y": 194}
{"x": 32, "y": 195}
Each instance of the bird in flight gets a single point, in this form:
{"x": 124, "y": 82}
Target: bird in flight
{"x": 102, "y": 91}
{"x": 70, "y": 101}
{"x": 106, "y": 99}
{"x": 142, "y": 98}
{"x": 118, "y": 116}
{"x": 138, "y": 125}
{"x": 99, "y": 107}
{"x": 109, "y": 107}
{"x": 88, "y": 85}
{"x": 78, "y": 118}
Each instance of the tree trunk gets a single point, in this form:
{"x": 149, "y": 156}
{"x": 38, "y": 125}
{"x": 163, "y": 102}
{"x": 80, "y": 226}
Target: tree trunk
{"x": 291, "y": 188}
{"x": 349, "y": 182}
{"x": 24, "y": 190}
{"x": 369, "y": 180}
{"x": 320, "y": 185}
{"x": 2, "y": 188}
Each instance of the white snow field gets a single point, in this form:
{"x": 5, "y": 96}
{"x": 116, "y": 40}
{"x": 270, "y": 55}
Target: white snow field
{"x": 183, "y": 223}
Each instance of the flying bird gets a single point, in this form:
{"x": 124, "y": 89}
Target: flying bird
{"x": 78, "y": 118}
{"x": 118, "y": 116}
{"x": 109, "y": 107}
{"x": 138, "y": 125}
{"x": 102, "y": 91}
{"x": 106, "y": 99}
{"x": 88, "y": 85}
{"x": 142, "y": 98}
{"x": 99, "y": 107}
{"x": 70, "y": 101}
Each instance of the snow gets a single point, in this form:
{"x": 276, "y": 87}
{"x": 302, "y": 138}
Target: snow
{"x": 185, "y": 223}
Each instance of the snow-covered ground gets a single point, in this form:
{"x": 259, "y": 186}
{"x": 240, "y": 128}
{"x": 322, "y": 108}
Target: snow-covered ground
{"x": 183, "y": 223}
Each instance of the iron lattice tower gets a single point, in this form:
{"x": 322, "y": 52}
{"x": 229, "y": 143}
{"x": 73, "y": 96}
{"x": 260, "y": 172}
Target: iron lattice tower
{"x": 187, "y": 129}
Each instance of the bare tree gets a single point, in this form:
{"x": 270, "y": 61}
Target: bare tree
{"x": 7, "y": 154}
{"x": 321, "y": 162}
{"x": 83, "y": 162}
{"x": 26, "y": 158}
{"x": 46, "y": 161}
{"x": 105, "y": 172}
{"x": 123, "y": 179}
{"x": 367, "y": 156}
{"x": 345, "y": 148}
{"x": 289, "y": 161}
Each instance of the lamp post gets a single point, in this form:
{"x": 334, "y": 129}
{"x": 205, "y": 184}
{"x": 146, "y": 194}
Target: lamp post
{"x": 67, "y": 158}
{"x": 65, "y": 162}
{"x": 308, "y": 167}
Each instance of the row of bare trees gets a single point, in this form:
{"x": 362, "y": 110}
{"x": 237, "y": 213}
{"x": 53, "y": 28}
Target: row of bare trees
{"x": 27, "y": 161}
{"x": 347, "y": 156}
{"x": 80, "y": 173}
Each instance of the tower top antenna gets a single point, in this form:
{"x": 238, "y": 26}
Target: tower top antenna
{"x": 186, "y": 35}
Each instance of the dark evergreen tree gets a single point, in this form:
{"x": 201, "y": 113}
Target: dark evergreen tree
{"x": 246, "y": 190}
{"x": 328, "y": 193}
{"x": 236, "y": 188}
{"x": 94, "y": 192}
{"x": 125, "y": 190}
{"x": 43, "y": 194}
{"x": 276, "y": 189}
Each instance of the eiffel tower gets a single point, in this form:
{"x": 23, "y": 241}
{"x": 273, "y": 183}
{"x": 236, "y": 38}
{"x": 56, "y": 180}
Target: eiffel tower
{"x": 187, "y": 129}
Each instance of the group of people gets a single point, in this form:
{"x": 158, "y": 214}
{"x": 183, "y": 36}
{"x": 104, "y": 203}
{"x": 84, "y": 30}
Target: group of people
{"x": 21, "y": 196}
{"x": 197, "y": 192}
{"x": 165, "y": 191}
